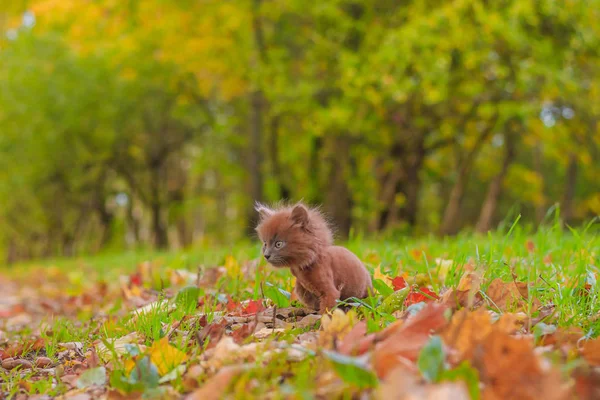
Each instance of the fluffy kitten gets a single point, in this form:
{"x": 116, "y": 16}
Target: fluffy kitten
{"x": 298, "y": 237}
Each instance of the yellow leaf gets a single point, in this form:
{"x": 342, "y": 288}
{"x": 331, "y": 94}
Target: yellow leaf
{"x": 232, "y": 267}
{"x": 443, "y": 267}
{"x": 377, "y": 274}
{"x": 336, "y": 326}
{"x": 165, "y": 356}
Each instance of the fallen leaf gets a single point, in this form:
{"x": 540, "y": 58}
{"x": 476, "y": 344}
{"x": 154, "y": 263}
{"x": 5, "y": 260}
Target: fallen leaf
{"x": 443, "y": 266}
{"x": 353, "y": 370}
{"x": 510, "y": 296}
{"x": 165, "y": 356}
{"x": 420, "y": 295}
{"x": 91, "y": 377}
{"x": 190, "y": 379}
{"x": 308, "y": 322}
{"x": 20, "y": 349}
{"x": 356, "y": 342}
{"x": 253, "y": 307}
{"x": 398, "y": 283}
{"x": 590, "y": 350}
{"x": 466, "y": 293}
{"x": 407, "y": 340}
{"x": 10, "y": 363}
{"x": 173, "y": 374}
{"x": 216, "y": 386}
{"x": 119, "y": 346}
{"x": 378, "y": 274}
{"x": 469, "y": 328}
{"x": 212, "y": 332}
{"x": 335, "y": 327}
{"x": 510, "y": 369}
{"x": 405, "y": 384}
{"x": 43, "y": 362}
{"x": 240, "y": 334}
{"x": 266, "y": 332}
{"x": 587, "y": 383}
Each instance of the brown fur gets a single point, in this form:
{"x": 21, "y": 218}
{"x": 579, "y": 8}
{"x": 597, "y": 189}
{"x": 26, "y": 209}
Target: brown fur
{"x": 324, "y": 272}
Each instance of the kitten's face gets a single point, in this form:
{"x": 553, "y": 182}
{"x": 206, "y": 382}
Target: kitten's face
{"x": 274, "y": 250}
{"x": 285, "y": 239}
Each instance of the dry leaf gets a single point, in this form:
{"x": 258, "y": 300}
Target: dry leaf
{"x": 465, "y": 330}
{"x": 510, "y": 369}
{"x": 377, "y": 274}
{"x": 335, "y": 327}
{"x": 119, "y": 346}
{"x": 407, "y": 340}
{"x": 466, "y": 293}
{"x": 166, "y": 357}
{"x": 590, "y": 350}
{"x": 510, "y": 296}
{"x": 356, "y": 342}
{"x": 403, "y": 384}
{"x": 216, "y": 386}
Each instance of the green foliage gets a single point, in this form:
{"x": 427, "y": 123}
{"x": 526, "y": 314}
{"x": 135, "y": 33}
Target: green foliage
{"x": 128, "y": 125}
{"x": 353, "y": 370}
{"x": 431, "y": 359}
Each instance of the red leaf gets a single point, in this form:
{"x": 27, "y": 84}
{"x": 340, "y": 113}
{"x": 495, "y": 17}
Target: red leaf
{"x": 419, "y": 295}
{"x": 530, "y": 246}
{"x": 240, "y": 334}
{"x": 232, "y": 305}
{"x": 399, "y": 283}
{"x": 135, "y": 279}
{"x": 212, "y": 332}
{"x": 253, "y": 307}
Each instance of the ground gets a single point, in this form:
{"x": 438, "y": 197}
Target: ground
{"x": 509, "y": 315}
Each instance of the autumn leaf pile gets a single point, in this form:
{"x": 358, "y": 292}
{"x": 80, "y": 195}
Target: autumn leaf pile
{"x": 456, "y": 331}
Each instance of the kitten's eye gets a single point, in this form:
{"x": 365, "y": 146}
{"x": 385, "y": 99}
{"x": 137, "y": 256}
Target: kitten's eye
{"x": 278, "y": 244}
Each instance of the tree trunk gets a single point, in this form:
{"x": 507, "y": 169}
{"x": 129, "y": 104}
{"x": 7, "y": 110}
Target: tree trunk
{"x": 132, "y": 221}
{"x": 159, "y": 231}
{"x": 490, "y": 204}
{"x": 412, "y": 186}
{"x": 161, "y": 240}
{"x": 540, "y": 208}
{"x": 284, "y": 191}
{"x": 316, "y": 194}
{"x": 450, "y": 222}
{"x": 183, "y": 233}
{"x": 339, "y": 199}
{"x": 391, "y": 183}
{"x": 257, "y": 109}
{"x": 566, "y": 207}
{"x": 12, "y": 254}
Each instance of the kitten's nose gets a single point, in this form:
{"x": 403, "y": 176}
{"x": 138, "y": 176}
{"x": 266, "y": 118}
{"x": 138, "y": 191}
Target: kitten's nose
{"x": 267, "y": 256}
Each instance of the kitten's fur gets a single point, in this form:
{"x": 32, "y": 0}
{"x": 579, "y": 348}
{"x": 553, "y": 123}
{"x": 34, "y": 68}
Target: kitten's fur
{"x": 300, "y": 238}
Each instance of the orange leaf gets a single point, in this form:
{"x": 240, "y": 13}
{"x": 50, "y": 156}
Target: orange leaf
{"x": 215, "y": 387}
{"x": 407, "y": 340}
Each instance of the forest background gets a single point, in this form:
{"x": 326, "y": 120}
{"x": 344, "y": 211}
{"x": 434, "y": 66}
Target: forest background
{"x": 128, "y": 124}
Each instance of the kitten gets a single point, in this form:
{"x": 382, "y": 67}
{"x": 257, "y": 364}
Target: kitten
{"x": 298, "y": 237}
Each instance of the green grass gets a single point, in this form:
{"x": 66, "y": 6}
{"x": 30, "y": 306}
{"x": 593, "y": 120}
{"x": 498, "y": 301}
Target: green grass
{"x": 557, "y": 263}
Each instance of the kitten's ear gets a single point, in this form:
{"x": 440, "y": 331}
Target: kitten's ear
{"x": 300, "y": 215}
{"x": 263, "y": 211}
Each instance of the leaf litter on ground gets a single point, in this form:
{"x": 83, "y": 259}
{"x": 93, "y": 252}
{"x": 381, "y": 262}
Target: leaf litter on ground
{"x": 463, "y": 333}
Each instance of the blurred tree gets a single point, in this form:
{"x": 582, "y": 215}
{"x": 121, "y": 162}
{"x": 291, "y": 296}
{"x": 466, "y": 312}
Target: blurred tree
{"x": 166, "y": 120}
